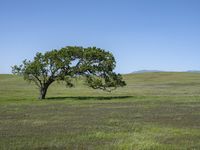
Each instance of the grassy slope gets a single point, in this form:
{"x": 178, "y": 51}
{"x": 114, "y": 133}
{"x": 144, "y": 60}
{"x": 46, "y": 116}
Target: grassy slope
{"x": 155, "y": 111}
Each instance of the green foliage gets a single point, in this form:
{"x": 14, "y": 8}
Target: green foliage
{"x": 95, "y": 64}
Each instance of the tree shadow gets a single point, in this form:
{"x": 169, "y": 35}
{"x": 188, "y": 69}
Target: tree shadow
{"x": 89, "y": 97}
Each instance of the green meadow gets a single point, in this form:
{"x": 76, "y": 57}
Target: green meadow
{"x": 155, "y": 111}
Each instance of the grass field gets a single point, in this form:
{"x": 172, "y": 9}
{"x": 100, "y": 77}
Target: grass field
{"x": 158, "y": 111}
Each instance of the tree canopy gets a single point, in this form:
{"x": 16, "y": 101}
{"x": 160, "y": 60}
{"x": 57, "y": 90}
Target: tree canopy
{"x": 94, "y": 64}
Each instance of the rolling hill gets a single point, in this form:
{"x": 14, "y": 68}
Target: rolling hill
{"x": 158, "y": 110}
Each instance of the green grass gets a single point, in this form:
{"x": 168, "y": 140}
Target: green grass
{"x": 154, "y": 111}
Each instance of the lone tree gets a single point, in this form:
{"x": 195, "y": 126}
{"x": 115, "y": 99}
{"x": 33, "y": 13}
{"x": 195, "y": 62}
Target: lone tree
{"x": 95, "y": 64}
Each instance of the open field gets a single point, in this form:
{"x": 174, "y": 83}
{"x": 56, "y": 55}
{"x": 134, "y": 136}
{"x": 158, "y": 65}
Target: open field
{"x": 154, "y": 111}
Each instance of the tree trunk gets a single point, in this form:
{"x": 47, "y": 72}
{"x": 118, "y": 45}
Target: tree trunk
{"x": 43, "y": 91}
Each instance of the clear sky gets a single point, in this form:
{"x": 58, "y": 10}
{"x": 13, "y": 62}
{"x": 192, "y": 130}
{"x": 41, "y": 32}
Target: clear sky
{"x": 142, "y": 34}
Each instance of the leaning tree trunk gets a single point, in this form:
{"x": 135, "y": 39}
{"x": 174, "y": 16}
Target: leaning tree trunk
{"x": 43, "y": 91}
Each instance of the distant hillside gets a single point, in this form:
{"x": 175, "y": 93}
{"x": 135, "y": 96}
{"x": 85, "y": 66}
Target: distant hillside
{"x": 152, "y": 71}
{"x": 144, "y": 71}
{"x": 14, "y": 87}
{"x": 194, "y": 71}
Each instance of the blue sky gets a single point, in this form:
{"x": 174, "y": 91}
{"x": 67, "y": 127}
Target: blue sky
{"x": 142, "y": 34}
